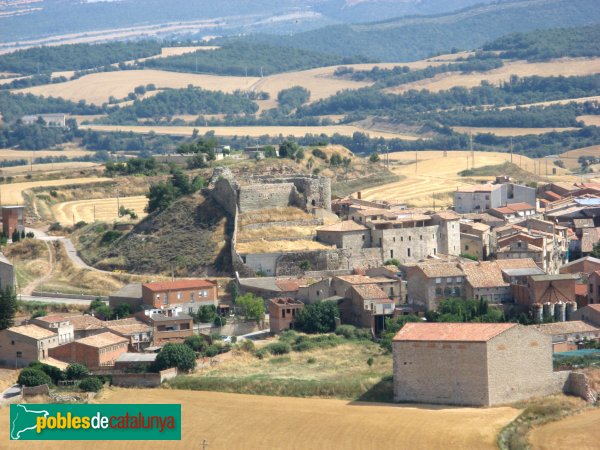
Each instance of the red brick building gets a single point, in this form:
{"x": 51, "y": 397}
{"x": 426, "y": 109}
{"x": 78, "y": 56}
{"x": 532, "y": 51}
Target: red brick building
{"x": 100, "y": 350}
{"x": 546, "y": 289}
{"x": 12, "y": 219}
{"x": 282, "y": 312}
{"x": 165, "y": 294}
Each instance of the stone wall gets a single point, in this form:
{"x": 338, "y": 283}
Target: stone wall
{"x": 143, "y": 379}
{"x": 224, "y": 193}
{"x": 579, "y": 385}
{"x": 287, "y": 223}
{"x": 266, "y": 196}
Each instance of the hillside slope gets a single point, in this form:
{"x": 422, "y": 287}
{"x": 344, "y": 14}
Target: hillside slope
{"x": 412, "y": 38}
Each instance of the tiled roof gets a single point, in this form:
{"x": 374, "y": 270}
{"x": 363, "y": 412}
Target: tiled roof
{"x": 85, "y": 322}
{"x": 127, "y": 326}
{"x": 581, "y": 289}
{"x": 575, "y": 326}
{"x": 477, "y": 226}
{"x": 345, "y": 225}
{"x": 453, "y": 332}
{"x": 447, "y": 215}
{"x": 370, "y": 291}
{"x": 102, "y": 340}
{"x": 485, "y": 274}
{"x": 285, "y": 301}
{"x": 521, "y": 206}
{"x": 179, "y": 284}
{"x": 362, "y": 279}
{"x": 33, "y": 331}
{"x": 433, "y": 270}
{"x": 529, "y": 248}
{"x": 289, "y": 285}
{"x": 516, "y": 263}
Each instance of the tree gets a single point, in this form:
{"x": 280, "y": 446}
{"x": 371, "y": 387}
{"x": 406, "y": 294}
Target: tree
{"x": 374, "y": 157}
{"x": 287, "y": 149}
{"x": 53, "y": 372}
{"x": 8, "y": 307}
{"x": 76, "y": 371}
{"x": 317, "y": 318}
{"x": 160, "y": 197}
{"x": 196, "y": 343}
{"x": 176, "y": 355}
{"x": 91, "y": 384}
{"x": 181, "y": 182}
{"x": 121, "y": 311}
{"x": 392, "y": 326}
{"x": 252, "y": 307}
{"x": 596, "y": 250}
{"x": 30, "y": 376}
{"x": 206, "y": 313}
{"x": 100, "y": 309}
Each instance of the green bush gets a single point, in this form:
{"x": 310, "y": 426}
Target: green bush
{"x": 278, "y": 348}
{"x": 211, "y": 350}
{"x": 91, "y": 384}
{"x": 76, "y": 371}
{"x": 53, "y": 372}
{"x": 311, "y": 360}
{"x": 370, "y": 361}
{"x": 351, "y": 332}
{"x": 176, "y": 355}
{"x": 30, "y": 376}
{"x": 246, "y": 345}
{"x": 260, "y": 354}
{"x": 196, "y": 343}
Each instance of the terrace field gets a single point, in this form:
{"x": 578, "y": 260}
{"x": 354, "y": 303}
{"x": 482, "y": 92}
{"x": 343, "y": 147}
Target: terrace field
{"x": 12, "y": 193}
{"x": 104, "y": 209}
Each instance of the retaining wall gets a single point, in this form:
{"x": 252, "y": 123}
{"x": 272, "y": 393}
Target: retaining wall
{"x": 143, "y": 379}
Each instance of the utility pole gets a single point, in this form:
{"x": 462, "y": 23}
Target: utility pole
{"x": 511, "y": 150}
{"x": 472, "y": 152}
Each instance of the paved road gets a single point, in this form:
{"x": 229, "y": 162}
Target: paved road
{"x": 10, "y": 394}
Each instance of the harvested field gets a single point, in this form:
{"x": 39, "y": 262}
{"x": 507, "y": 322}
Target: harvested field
{"x": 571, "y": 157}
{"x": 10, "y": 155}
{"x": 262, "y": 246}
{"x": 563, "y": 66}
{"x": 316, "y": 423}
{"x": 437, "y": 175}
{"x": 579, "y": 432}
{"x": 297, "y": 131}
{"x": 590, "y": 120}
{"x": 105, "y": 209}
{"x": 510, "y": 131}
{"x": 96, "y": 88}
{"x": 48, "y": 168}
{"x": 555, "y": 102}
{"x": 12, "y": 193}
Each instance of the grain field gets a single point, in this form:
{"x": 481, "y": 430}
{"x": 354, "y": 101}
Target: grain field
{"x": 12, "y": 192}
{"x": 235, "y": 421}
{"x": 501, "y": 131}
{"x": 105, "y": 209}
{"x": 579, "y": 432}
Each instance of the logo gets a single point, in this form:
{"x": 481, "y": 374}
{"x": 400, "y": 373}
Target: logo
{"x": 146, "y": 422}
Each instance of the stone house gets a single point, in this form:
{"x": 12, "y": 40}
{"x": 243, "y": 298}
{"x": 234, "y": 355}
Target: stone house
{"x": 474, "y": 364}
{"x": 341, "y": 285}
{"x": 593, "y": 291}
{"x": 190, "y": 293}
{"x": 589, "y": 314}
{"x": 13, "y": 219}
{"x": 582, "y": 266}
{"x": 513, "y": 212}
{"x": 520, "y": 249}
{"x": 85, "y": 325}
{"x": 60, "y": 325}
{"x": 429, "y": 283}
{"x": 23, "y": 344}
{"x": 282, "y": 312}
{"x": 478, "y": 198}
{"x": 51, "y": 120}
{"x": 546, "y": 289}
{"x": 130, "y": 294}
{"x": 138, "y": 333}
{"x": 346, "y": 234}
{"x": 475, "y": 239}
{"x": 485, "y": 282}
{"x": 366, "y": 306}
{"x": 175, "y": 326}
{"x": 95, "y": 352}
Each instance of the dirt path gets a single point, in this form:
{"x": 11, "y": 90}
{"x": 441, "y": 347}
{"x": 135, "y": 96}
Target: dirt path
{"x": 27, "y": 290}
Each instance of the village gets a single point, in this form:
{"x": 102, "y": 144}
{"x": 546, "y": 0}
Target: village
{"x": 525, "y": 252}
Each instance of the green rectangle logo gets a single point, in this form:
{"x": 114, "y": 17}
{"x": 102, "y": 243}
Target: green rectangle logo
{"x": 147, "y": 422}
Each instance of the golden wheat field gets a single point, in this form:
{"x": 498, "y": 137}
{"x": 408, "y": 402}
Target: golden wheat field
{"x": 555, "y": 102}
{"x": 12, "y": 192}
{"x": 590, "y": 120}
{"x": 236, "y": 421}
{"x": 96, "y": 88}
{"x": 297, "y": 131}
{"x": 509, "y": 131}
{"x": 104, "y": 209}
{"x": 10, "y": 154}
{"x": 579, "y": 432}
{"x": 48, "y": 168}
{"x": 434, "y": 174}
{"x": 564, "y": 66}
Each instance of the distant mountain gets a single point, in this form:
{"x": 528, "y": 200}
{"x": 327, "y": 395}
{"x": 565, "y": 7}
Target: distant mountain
{"x": 416, "y": 37}
{"x": 20, "y": 20}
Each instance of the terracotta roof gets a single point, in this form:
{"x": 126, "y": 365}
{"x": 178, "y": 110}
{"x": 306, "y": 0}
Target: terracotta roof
{"x": 552, "y": 195}
{"x": 595, "y": 306}
{"x": 286, "y": 301}
{"x": 433, "y": 270}
{"x": 362, "y": 279}
{"x": 529, "y": 248}
{"x": 288, "y": 285}
{"x": 52, "y": 319}
{"x": 454, "y": 332}
{"x": 521, "y": 206}
{"x": 516, "y": 263}
{"x": 574, "y": 326}
{"x": 33, "y": 331}
{"x": 447, "y": 215}
{"x": 345, "y": 225}
{"x": 370, "y": 291}
{"x": 485, "y": 274}
{"x": 85, "y": 322}
{"x": 127, "y": 326}
{"x": 178, "y": 285}
{"x": 477, "y": 226}
{"x": 102, "y": 340}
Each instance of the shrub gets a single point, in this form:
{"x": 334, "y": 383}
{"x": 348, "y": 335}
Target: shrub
{"x": 76, "y": 371}
{"x": 211, "y": 350}
{"x": 176, "y": 355}
{"x": 370, "y": 361}
{"x": 91, "y": 384}
{"x": 317, "y": 318}
{"x": 311, "y": 361}
{"x": 53, "y": 372}
{"x": 110, "y": 236}
{"x": 246, "y": 345}
{"x": 55, "y": 227}
{"x": 196, "y": 343}
{"x": 30, "y": 376}
{"x": 260, "y": 354}
{"x": 278, "y": 348}
{"x": 352, "y": 332}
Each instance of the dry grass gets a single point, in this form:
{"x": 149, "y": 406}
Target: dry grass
{"x": 436, "y": 174}
{"x": 96, "y": 88}
{"x": 564, "y": 66}
{"x": 297, "y": 131}
{"x": 105, "y": 209}
{"x": 555, "y": 102}
{"x": 590, "y": 120}
{"x": 262, "y": 246}
{"x": 510, "y": 131}
{"x": 276, "y": 232}
{"x": 12, "y": 193}
{"x": 570, "y": 158}
{"x": 579, "y": 432}
{"x": 48, "y": 168}
{"x": 229, "y": 421}
{"x": 30, "y": 259}
{"x": 9, "y": 154}
{"x": 273, "y": 215}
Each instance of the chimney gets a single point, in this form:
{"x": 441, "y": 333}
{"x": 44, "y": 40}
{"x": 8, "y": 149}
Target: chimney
{"x": 359, "y": 195}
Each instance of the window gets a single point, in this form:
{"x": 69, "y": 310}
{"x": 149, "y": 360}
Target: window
{"x": 449, "y": 280}
{"x": 591, "y": 292}
{"x": 19, "y": 354}
{"x": 12, "y": 342}
{"x": 363, "y": 237}
{"x": 438, "y": 291}
{"x": 408, "y": 252}
{"x": 394, "y": 238}
{"x": 192, "y": 296}
{"x": 179, "y": 296}
{"x": 391, "y": 292}
{"x": 410, "y": 238}
{"x": 392, "y": 253}
{"x": 165, "y": 299}
{"x": 401, "y": 239}
{"x": 380, "y": 242}
{"x": 466, "y": 247}
{"x": 438, "y": 281}
{"x": 206, "y": 293}
{"x": 190, "y": 310}
{"x": 458, "y": 279}
{"x": 421, "y": 237}
{"x": 435, "y": 251}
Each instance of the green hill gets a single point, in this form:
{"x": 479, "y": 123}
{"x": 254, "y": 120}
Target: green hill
{"x": 412, "y": 38}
